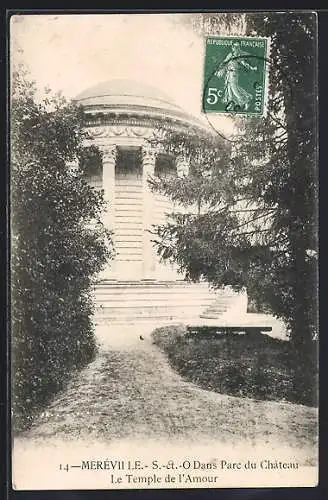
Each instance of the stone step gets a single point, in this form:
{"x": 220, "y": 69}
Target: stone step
{"x": 221, "y": 300}
{"x": 150, "y": 307}
{"x": 156, "y": 299}
{"x": 156, "y": 290}
{"x": 154, "y": 296}
{"x": 154, "y": 283}
{"x": 163, "y": 290}
{"x": 129, "y": 301}
{"x": 151, "y": 289}
{"x": 150, "y": 311}
{"x": 219, "y": 307}
{"x": 144, "y": 297}
{"x": 159, "y": 319}
{"x": 210, "y": 316}
{"x": 216, "y": 314}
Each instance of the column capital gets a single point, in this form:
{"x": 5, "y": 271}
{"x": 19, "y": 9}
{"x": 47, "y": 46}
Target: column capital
{"x": 183, "y": 165}
{"x": 148, "y": 161}
{"x": 148, "y": 154}
{"x": 109, "y": 151}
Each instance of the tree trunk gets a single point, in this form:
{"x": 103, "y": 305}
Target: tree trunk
{"x": 302, "y": 276}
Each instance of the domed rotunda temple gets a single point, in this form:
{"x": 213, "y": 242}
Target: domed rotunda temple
{"x": 121, "y": 118}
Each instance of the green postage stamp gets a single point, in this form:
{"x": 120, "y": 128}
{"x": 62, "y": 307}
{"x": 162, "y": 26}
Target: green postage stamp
{"x": 236, "y": 75}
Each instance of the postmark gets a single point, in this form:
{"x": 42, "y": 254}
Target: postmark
{"x": 235, "y": 79}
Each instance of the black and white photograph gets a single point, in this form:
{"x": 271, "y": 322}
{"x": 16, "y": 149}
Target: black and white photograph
{"x": 163, "y": 250}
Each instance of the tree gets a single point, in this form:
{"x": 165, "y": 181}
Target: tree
{"x": 292, "y": 144}
{"x": 58, "y": 245}
{"x": 259, "y": 230}
{"x": 214, "y": 23}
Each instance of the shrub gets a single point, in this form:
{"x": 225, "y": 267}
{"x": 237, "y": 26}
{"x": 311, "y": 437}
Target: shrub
{"x": 58, "y": 245}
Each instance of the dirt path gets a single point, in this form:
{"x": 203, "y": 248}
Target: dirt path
{"x": 132, "y": 393}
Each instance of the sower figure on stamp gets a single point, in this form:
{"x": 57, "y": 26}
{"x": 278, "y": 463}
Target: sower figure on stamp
{"x": 231, "y": 65}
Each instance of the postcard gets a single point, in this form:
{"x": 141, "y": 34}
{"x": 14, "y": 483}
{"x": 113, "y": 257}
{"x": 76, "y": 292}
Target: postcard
{"x": 164, "y": 250}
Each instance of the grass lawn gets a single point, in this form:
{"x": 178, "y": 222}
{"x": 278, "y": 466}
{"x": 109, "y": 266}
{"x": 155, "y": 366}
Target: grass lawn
{"x": 257, "y": 367}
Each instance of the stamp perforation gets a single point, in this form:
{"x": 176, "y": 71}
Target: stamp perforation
{"x": 243, "y": 100}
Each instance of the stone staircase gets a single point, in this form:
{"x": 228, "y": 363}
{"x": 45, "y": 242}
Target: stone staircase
{"x": 229, "y": 305}
{"x": 119, "y": 302}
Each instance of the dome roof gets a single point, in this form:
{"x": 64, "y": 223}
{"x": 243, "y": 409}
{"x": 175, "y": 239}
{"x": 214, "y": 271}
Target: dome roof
{"x": 123, "y": 87}
{"x": 122, "y": 91}
{"x": 129, "y": 96}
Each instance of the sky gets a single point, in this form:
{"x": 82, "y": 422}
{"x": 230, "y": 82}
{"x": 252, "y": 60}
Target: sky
{"x": 70, "y": 53}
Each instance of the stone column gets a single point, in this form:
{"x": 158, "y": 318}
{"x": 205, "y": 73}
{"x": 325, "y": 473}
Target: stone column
{"x": 149, "y": 258}
{"x": 109, "y": 152}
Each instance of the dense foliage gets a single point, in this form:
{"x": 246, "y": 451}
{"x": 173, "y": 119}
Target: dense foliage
{"x": 258, "y": 225}
{"x": 58, "y": 245}
{"x": 290, "y": 137}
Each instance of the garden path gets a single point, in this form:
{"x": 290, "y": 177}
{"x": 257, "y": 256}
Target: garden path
{"x": 130, "y": 395}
